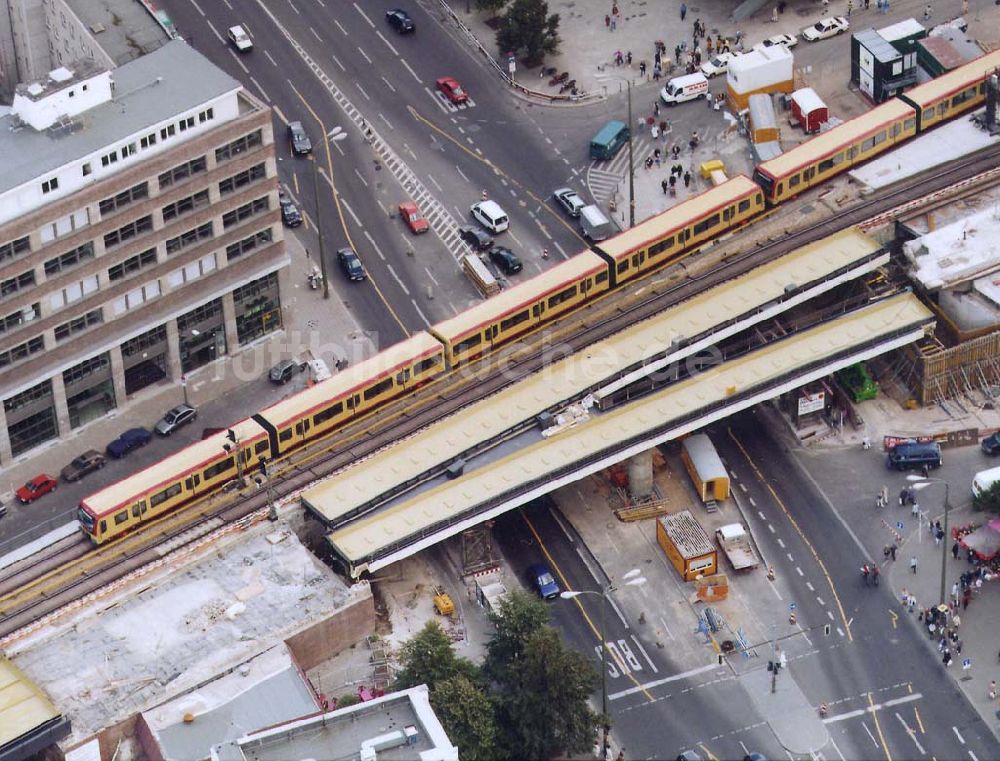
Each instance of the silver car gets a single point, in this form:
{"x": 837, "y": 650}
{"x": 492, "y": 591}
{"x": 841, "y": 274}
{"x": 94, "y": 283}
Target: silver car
{"x": 180, "y": 415}
{"x": 570, "y": 200}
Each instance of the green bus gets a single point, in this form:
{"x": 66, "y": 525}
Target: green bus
{"x": 608, "y": 141}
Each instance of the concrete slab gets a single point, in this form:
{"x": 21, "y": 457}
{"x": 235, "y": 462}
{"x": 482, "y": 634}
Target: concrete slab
{"x": 793, "y": 720}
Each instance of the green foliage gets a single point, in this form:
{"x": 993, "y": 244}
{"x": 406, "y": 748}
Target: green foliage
{"x": 988, "y": 500}
{"x": 349, "y": 699}
{"x": 493, "y": 6}
{"x": 467, "y": 715}
{"x": 543, "y": 700}
{"x": 429, "y": 659}
{"x": 527, "y": 29}
{"x": 519, "y": 616}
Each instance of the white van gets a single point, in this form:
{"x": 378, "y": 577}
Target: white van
{"x": 491, "y": 216}
{"x": 594, "y": 224}
{"x": 984, "y": 479}
{"x": 688, "y": 87}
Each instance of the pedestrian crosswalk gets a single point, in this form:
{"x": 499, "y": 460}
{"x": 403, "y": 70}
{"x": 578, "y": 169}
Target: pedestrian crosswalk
{"x": 604, "y": 178}
{"x": 446, "y": 105}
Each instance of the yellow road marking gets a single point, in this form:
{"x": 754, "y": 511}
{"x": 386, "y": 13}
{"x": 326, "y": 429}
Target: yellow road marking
{"x": 894, "y": 617}
{"x": 920, "y": 722}
{"x": 711, "y": 756}
{"x": 878, "y": 727}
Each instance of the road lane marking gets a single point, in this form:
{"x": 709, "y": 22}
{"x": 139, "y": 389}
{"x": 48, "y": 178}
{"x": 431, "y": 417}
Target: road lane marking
{"x": 364, "y": 55}
{"x": 870, "y": 735}
{"x": 261, "y": 88}
{"x": 820, "y": 600}
{"x": 316, "y": 35}
{"x": 398, "y": 279}
{"x": 872, "y": 708}
{"x": 910, "y": 732}
{"x": 420, "y": 313}
{"x": 878, "y": 728}
{"x": 752, "y": 503}
{"x": 435, "y": 183}
{"x": 660, "y": 682}
{"x": 351, "y": 212}
{"x": 958, "y": 735}
{"x": 362, "y": 90}
{"x": 799, "y": 571}
{"x": 809, "y": 586}
{"x": 645, "y": 655}
{"x": 770, "y": 527}
{"x": 363, "y": 15}
{"x": 341, "y": 28}
{"x": 337, "y": 61}
{"x": 781, "y": 543}
{"x": 273, "y": 62}
{"x": 387, "y": 122}
{"x": 431, "y": 277}
{"x": 669, "y": 633}
{"x": 388, "y": 84}
{"x": 360, "y": 176}
{"x": 407, "y": 67}
{"x": 920, "y": 723}
{"x": 375, "y": 246}
{"x": 389, "y": 44}
{"x": 616, "y": 609}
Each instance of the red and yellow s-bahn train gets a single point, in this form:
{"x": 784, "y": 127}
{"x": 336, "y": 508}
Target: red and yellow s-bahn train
{"x": 317, "y": 411}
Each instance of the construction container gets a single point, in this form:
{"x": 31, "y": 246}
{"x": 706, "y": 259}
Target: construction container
{"x": 705, "y": 467}
{"x": 763, "y": 121}
{"x": 809, "y": 110}
{"x": 759, "y": 71}
{"x": 687, "y": 545}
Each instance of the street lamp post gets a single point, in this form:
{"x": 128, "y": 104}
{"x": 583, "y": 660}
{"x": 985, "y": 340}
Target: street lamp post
{"x": 631, "y": 579}
{"x": 921, "y": 482}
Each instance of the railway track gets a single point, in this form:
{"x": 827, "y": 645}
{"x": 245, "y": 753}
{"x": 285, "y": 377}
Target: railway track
{"x": 32, "y": 592}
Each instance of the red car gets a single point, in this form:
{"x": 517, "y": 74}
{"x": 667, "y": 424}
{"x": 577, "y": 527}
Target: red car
{"x": 37, "y": 487}
{"x": 452, "y": 90}
{"x": 413, "y": 218}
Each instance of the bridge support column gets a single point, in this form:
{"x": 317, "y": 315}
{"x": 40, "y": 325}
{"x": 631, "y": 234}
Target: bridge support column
{"x": 640, "y": 476}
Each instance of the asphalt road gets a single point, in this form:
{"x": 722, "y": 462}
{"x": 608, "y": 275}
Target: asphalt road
{"x": 888, "y": 696}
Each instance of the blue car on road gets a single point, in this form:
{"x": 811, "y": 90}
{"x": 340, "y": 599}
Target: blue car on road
{"x": 545, "y": 584}
{"x": 133, "y": 438}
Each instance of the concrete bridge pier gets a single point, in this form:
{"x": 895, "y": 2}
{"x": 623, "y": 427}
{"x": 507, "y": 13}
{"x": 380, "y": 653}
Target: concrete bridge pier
{"x": 640, "y": 476}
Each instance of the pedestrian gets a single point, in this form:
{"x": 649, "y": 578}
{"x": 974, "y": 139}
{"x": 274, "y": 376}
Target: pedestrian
{"x": 965, "y": 7}
{"x": 958, "y": 645}
{"x": 993, "y": 690}
{"x": 954, "y": 550}
{"x": 708, "y": 47}
{"x": 946, "y": 659}
{"x": 850, "y": 7}
{"x": 684, "y": 10}
{"x": 867, "y": 4}
{"x": 607, "y": 21}
{"x": 663, "y": 185}
{"x": 687, "y": 179}
{"x": 614, "y": 22}
{"x": 938, "y": 537}
{"x": 628, "y": 58}
{"x": 913, "y": 563}
{"x": 927, "y": 11}
{"x": 642, "y": 68}
{"x": 875, "y": 573}
{"x": 885, "y": 6}
{"x": 913, "y": 602}
{"x": 915, "y": 510}
{"x": 774, "y": 14}
{"x": 677, "y": 54}
{"x": 621, "y": 755}
{"x": 966, "y": 596}
{"x": 865, "y": 572}
{"x": 892, "y": 550}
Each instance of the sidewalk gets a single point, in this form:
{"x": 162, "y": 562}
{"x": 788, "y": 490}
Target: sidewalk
{"x": 977, "y": 630}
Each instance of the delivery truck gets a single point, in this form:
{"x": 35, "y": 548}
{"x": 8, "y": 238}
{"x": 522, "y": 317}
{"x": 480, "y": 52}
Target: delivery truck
{"x": 736, "y": 545}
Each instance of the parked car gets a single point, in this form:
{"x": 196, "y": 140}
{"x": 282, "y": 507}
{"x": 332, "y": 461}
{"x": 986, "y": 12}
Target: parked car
{"x": 283, "y": 371}
{"x": 545, "y": 584}
{"x": 570, "y": 200}
{"x": 506, "y": 260}
{"x": 788, "y": 40}
{"x": 175, "y": 418}
{"x": 301, "y": 144}
{"x": 827, "y": 27}
{"x": 991, "y": 445}
{"x": 413, "y": 218}
{"x": 452, "y": 90}
{"x": 479, "y": 239}
{"x": 83, "y": 465}
{"x": 37, "y": 487}
{"x": 717, "y": 65}
{"x": 400, "y": 21}
{"x": 290, "y": 215}
{"x": 133, "y": 438}
{"x": 351, "y": 264}
{"x": 240, "y": 39}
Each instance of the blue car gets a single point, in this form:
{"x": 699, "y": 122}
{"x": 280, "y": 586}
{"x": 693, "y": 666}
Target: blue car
{"x": 133, "y": 438}
{"x": 545, "y": 584}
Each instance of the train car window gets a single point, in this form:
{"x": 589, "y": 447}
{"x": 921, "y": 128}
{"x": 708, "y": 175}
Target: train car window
{"x": 780, "y": 190}
{"x": 910, "y": 123}
{"x": 467, "y": 343}
{"x": 120, "y": 518}
{"x": 332, "y": 411}
{"x": 638, "y": 259}
{"x": 684, "y": 235}
{"x": 793, "y": 181}
{"x": 171, "y": 491}
{"x": 602, "y": 277}
{"x": 104, "y": 526}
{"x": 301, "y": 427}
{"x": 852, "y": 152}
{"x": 353, "y": 402}
{"x": 745, "y": 205}
{"x": 565, "y": 295}
{"x": 516, "y": 319}
{"x": 942, "y": 108}
{"x": 220, "y": 467}
{"x": 879, "y": 138}
{"x": 585, "y": 285}
{"x": 189, "y": 483}
{"x": 728, "y": 213}
{"x": 285, "y": 435}
{"x": 536, "y": 310}
{"x": 493, "y": 331}
{"x": 261, "y": 447}
{"x": 426, "y": 364}
{"x": 661, "y": 246}
{"x": 403, "y": 376}
{"x": 622, "y": 267}
{"x": 135, "y": 511}
{"x": 927, "y": 114}
{"x": 379, "y": 388}
{"x": 706, "y": 224}
{"x": 809, "y": 173}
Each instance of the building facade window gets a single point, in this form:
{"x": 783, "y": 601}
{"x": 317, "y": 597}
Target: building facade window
{"x": 49, "y": 185}
{"x": 167, "y": 132}
{"x": 79, "y": 324}
{"x": 13, "y": 285}
{"x": 145, "y": 359}
{"x": 202, "y": 232}
{"x": 192, "y": 271}
{"x": 137, "y": 297}
{"x": 65, "y": 225}
{"x": 237, "y": 181}
{"x": 73, "y": 292}
{"x": 69, "y": 259}
{"x": 129, "y": 231}
{"x": 21, "y": 351}
{"x": 207, "y": 115}
{"x": 21, "y": 317}
{"x": 182, "y": 171}
{"x": 132, "y": 265}
{"x": 238, "y": 146}
{"x": 240, "y": 247}
{"x": 245, "y": 211}
{"x": 202, "y": 335}
{"x": 90, "y": 390}
{"x": 258, "y": 308}
{"x": 15, "y": 248}
{"x": 185, "y": 205}
{"x": 126, "y": 197}
{"x": 31, "y": 418}
{"x": 148, "y": 141}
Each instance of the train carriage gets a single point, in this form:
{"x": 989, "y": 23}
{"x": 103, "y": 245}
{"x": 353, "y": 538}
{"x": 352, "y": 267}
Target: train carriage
{"x": 352, "y": 392}
{"x": 513, "y": 312}
{"x": 836, "y": 151}
{"x": 197, "y": 469}
{"x": 655, "y": 241}
{"x": 948, "y": 95}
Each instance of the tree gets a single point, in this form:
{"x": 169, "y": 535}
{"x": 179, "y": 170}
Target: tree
{"x": 467, "y": 715}
{"x": 527, "y": 27}
{"x": 519, "y": 616}
{"x": 490, "y": 5}
{"x": 988, "y": 499}
{"x": 544, "y": 694}
{"x": 428, "y": 658}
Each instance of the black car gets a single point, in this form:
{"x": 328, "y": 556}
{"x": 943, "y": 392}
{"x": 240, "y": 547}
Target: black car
{"x": 506, "y": 260}
{"x": 301, "y": 144}
{"x": 88, "y": 462}
{"x": 350, "y": 263}
{"x": 282, "y": 372}
{"x": 400, "y": 21}
{"x": 478, "y": 239}
{"x": 290, "y": 215}
{"x": 991, "y": 445}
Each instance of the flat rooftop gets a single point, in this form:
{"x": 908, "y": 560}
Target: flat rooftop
{"x": 173, "y": 79}
{"x": 124, "y": 29}
{"x": 963, "y": 250}
{"x": 197, "y": 614}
